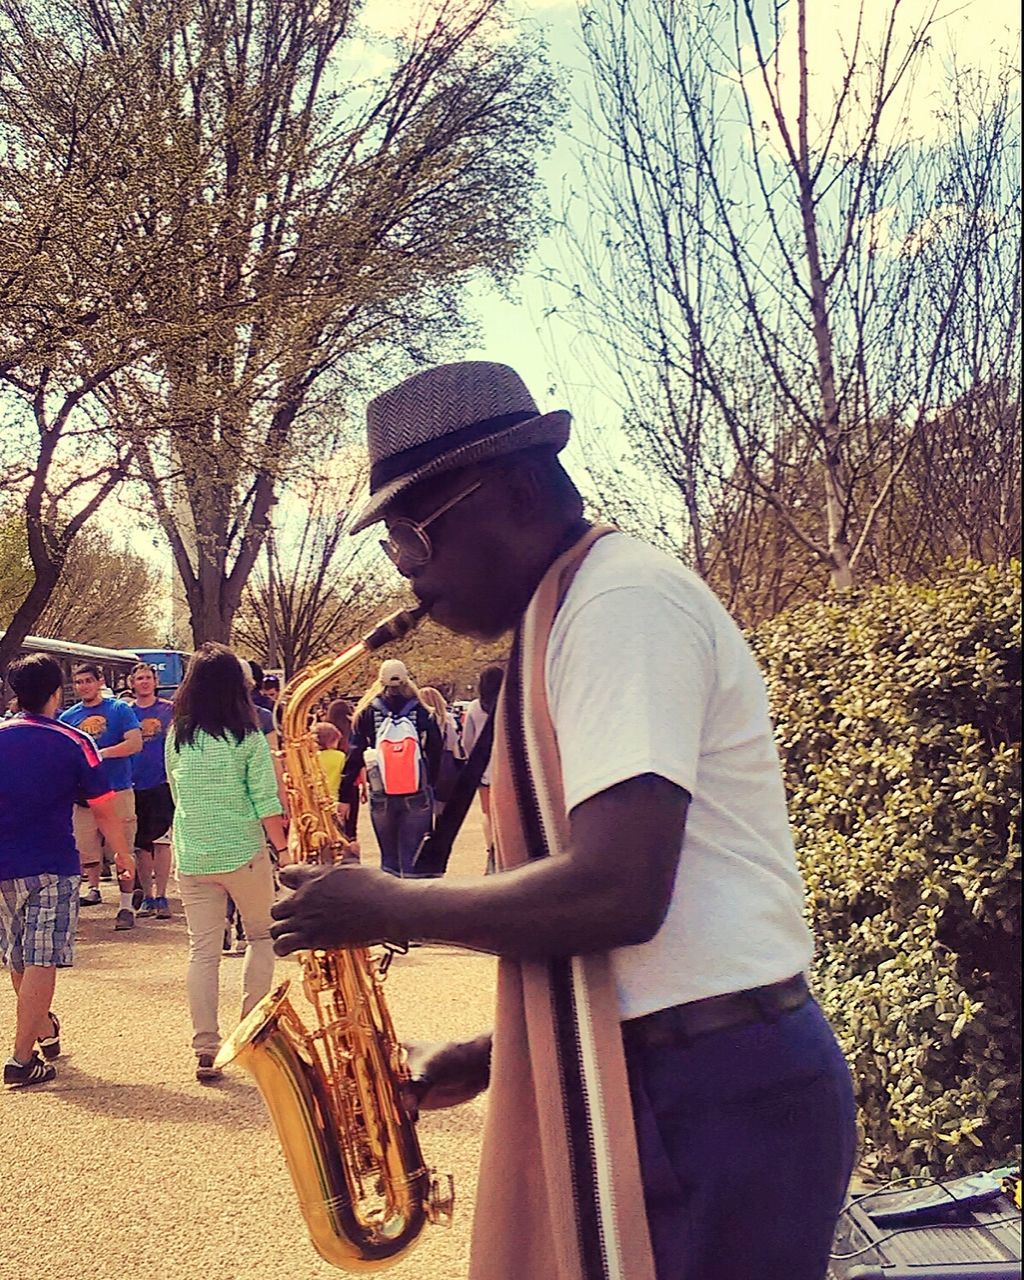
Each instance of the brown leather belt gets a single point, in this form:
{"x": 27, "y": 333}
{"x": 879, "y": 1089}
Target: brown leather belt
{"x": 684, "y": 1022}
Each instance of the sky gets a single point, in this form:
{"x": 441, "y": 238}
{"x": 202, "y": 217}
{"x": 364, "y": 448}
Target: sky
{"x": 513, "y": 329}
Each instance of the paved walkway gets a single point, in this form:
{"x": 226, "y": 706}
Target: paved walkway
{"x": 126, "y": 1166}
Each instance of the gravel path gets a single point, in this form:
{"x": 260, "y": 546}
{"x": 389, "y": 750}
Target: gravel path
{"x": 125, "y": 1165}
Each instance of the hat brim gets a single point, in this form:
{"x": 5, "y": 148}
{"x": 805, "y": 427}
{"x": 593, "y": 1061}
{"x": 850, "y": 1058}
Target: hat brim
{"x": 547, "y": 428}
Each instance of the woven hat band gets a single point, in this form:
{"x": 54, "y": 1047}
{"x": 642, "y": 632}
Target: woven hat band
{"x": 419, "y": 455}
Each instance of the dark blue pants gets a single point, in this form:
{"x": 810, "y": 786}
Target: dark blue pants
{"x": 400, "y": 823}
{"x": 747, "y": 1140}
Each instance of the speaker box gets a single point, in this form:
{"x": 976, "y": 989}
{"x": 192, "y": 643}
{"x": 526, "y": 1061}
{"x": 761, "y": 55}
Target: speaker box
{"x": 963, "y": 1229}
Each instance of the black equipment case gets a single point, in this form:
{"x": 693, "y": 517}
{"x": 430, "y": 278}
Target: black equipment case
{"x": 963, "y": 1229}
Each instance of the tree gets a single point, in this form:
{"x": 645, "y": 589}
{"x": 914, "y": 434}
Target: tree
{"x": 106, "y": 594}
{"x": 316, "y": 592}
{"x": 79, "y": 289}
{"x": 323, "y": 222}
{"x": 790, "y": 288}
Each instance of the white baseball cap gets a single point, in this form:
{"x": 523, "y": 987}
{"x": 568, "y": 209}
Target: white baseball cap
{"x": 393, "y": 671}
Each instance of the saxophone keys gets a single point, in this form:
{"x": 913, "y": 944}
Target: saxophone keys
{"x": 440, "y": 1198}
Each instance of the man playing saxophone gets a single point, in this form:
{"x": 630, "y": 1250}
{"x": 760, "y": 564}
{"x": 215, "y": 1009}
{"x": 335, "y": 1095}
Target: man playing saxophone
{"x": 657, "y": 1058}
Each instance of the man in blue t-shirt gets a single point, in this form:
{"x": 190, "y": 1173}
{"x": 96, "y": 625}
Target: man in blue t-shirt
{"x": 154, "y": 807}
{"x": 45, "y": 767}
{"x": 114, "y": 728}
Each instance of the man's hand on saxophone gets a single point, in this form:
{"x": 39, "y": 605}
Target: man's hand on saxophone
{"x": 446, "y": 1075}
{"x": 311, "y": 918}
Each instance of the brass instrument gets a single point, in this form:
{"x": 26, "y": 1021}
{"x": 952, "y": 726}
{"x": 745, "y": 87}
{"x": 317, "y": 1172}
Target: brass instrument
{"x": 333, "y": 1093}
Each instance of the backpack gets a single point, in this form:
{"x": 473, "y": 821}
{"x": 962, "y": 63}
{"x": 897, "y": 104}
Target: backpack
{"x": 399, "y": 753}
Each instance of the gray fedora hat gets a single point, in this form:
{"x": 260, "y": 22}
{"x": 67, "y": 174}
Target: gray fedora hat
{"x": 445, "y": 418}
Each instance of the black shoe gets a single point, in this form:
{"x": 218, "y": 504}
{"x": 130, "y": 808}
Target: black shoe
{"x": 49, "y": 1046}
{"x": 138, "y": 897}
{"x": 106, "y": 873}
{"x": 124, "y": 919}
{"x": 206, "y": 1072}
{"x": 35, "y": 1071}
{"x": 90, "y": 899}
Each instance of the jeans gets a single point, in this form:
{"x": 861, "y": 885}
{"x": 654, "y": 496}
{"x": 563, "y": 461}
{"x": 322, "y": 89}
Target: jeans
{"x": 204, "y": 899}
{"x": 747, "y": 1140}
{"x": 400, "y": 823}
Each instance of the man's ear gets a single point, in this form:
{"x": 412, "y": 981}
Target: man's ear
{"x": 524, "y": 488}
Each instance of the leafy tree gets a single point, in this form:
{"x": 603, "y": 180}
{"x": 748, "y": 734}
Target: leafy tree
{"x": 282, "y": 228}
{"x": 106, "y": 593}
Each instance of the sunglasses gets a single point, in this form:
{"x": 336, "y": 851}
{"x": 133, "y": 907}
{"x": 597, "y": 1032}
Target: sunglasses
{"x": 408, "y": 544}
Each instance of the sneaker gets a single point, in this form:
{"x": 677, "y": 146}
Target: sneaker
{"x": 146, "y": 907}
{"x": 50, "y": 1045}
{"x": 138, "y": 898}
{"x": 35, "y": 1071}
{"x": 90, "y": 899}
{"x": 125, "y": 919}
{"x": 162, "y": 908}
{"x": 206, "y": 1072}
{"x": 106, "y": 873}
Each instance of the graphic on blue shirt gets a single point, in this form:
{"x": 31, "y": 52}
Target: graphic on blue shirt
{"x": 45, "y": 767}
{"x": 106, "y": 723}
{"x": 148, "y": 766}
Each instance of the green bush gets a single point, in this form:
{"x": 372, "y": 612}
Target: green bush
{"x": 898, "y": 719}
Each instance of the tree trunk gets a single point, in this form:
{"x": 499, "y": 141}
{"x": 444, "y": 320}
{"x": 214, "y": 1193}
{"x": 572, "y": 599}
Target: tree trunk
{"x": 28, "y": 613}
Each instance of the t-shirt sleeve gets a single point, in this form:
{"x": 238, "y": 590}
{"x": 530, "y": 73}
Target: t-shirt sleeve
{"x": 630, "y": 674}
{"x": 126, "y": 718}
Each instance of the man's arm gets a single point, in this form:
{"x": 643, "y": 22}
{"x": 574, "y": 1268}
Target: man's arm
{"x": 612, "y": 889}
{"x": 130, "y": 745}
{"x": 113, "y": 831}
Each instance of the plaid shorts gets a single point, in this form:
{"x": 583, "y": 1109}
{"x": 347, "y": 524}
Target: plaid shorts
{"x": 38, "y": 920}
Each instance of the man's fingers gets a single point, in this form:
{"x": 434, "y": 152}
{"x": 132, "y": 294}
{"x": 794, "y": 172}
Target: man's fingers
{"x": 300, "y": 873}
{"x": 286, "y": 943}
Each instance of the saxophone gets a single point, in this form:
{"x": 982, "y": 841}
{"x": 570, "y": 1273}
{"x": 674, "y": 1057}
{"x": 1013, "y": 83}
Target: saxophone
{"x": 334, "y": 1093}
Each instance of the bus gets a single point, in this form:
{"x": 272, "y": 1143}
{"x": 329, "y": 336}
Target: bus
{"x": 115, "y": 664}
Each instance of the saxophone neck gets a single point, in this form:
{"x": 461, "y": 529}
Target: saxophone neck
{"x": 395, "y": 627}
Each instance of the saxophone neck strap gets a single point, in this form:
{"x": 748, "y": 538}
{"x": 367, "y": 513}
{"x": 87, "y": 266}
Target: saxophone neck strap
{"x": 436, "y": 847}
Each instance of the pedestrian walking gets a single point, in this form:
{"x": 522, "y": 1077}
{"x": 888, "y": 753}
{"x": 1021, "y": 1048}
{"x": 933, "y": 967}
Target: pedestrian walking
{"x": 452, "y": 754}
{"x": 666, "y": 1099}
{"x": 114, "y": 727}
{"x": 478, "y": 713}
{"x": 45, "y": 767}
{"x": 399, "y": 741}
{"x": 339, "y": 713}
{"x": 226, "y": 807}
{"x": 154, "y": 808}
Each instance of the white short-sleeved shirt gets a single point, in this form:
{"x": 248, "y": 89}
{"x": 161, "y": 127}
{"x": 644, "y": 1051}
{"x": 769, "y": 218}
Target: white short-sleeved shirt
{"x": 647, "y": 673}
{"x": 472, "y": 728}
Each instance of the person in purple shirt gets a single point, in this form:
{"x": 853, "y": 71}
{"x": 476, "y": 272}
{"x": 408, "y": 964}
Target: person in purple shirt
{"x": 45, "y": 767}
{"x": 154, "y": 808}
{"x": 114, "y": 727}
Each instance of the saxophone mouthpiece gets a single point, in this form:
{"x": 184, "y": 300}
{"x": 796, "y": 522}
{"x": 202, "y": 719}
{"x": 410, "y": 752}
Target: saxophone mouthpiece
{"x": 397, "y": 626}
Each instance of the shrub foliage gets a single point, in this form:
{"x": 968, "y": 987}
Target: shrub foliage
{"x": 898, "y": 718}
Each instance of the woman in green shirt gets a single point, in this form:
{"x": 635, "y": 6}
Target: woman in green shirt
{"x": 226, "y": 806}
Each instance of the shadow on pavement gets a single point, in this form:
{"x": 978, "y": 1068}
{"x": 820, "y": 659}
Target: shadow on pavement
{"x": 226, "y": 1103}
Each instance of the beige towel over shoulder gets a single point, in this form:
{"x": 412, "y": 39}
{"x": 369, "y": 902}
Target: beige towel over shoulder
{"x": 560, "y": 1195}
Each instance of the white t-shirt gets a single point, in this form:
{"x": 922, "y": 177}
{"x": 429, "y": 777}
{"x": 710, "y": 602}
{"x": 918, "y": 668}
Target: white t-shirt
{"x": 472, "y": 728}
{"x": 647, "y": 673}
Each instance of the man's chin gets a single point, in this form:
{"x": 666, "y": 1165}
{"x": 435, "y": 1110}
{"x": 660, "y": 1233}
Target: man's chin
{"x": 464, "y": 623}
